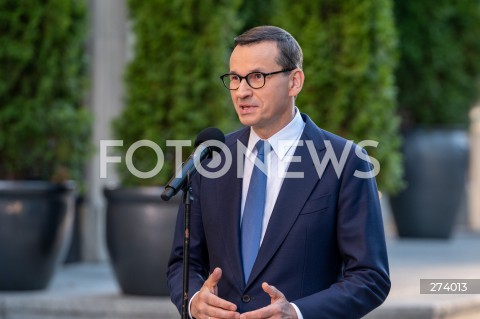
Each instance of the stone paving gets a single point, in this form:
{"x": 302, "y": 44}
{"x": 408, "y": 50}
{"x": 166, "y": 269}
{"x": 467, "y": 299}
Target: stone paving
{"x": 89, "y": 290}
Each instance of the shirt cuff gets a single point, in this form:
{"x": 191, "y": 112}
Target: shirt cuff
{"x": 299, "y": 314}
{"x": 190, "y": 305}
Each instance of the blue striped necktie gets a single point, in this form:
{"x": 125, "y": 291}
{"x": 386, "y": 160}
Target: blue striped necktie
{"x": 252, "y": 220}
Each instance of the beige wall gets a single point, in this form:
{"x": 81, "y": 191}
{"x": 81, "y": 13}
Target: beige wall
{"x": 108, "y": 48}
{"x": 474, "y": 180}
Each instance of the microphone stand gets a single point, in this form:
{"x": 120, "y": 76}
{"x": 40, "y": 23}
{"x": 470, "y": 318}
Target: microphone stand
{"x": 187, "y": 201}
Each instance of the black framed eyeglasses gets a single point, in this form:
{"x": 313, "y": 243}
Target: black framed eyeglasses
{"x": 256, "y": 80}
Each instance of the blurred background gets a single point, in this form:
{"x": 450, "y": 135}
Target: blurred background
{"x": 82, "y": 81}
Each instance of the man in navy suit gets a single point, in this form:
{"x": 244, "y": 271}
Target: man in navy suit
{"x": 321, "y": 246}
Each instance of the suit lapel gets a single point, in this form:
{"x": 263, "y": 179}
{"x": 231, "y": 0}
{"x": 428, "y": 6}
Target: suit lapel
{"x": 291, "y": 199}
{"x": 229, "y": 194}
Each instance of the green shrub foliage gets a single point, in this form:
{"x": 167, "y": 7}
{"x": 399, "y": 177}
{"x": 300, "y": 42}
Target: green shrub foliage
{"x": 173, "y": 87}
{"x": 255, "y": 13}
{"x": 44, "y": 128}
{"x": 349, "y": 49}
{"x": 439, "y": 66}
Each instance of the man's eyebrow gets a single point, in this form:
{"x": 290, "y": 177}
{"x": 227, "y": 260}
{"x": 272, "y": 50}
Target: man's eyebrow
{"x": 254, "y": 70}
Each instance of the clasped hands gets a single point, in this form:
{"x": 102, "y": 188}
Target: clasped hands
{"x": 207, "y": 304}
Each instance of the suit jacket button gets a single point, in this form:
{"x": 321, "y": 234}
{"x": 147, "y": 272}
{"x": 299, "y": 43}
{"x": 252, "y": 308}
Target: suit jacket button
{"x": 246, "y": 298}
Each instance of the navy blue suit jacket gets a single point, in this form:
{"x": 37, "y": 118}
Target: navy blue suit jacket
{"x": 324, "y": 246}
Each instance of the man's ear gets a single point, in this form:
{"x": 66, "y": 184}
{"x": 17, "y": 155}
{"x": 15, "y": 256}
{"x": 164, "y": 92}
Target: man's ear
{"x": 297, "y": 77}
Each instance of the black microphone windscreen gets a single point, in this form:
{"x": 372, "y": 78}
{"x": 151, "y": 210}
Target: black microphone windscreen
{"x": 210, "y": 133}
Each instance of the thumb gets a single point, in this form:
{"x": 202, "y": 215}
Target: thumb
{"x": 273, "y": 292}
{"x": 213, "y": 279}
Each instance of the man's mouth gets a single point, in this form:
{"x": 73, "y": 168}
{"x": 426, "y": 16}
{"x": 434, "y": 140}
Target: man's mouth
{"x": 246, "y": 106}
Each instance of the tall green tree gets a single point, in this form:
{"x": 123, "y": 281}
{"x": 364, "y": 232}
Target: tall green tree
{"x": 44, "y": 127}
{"x": 439, "y": 68}
{"x": 349, "y": 49}
{"x": 173, "y": 86}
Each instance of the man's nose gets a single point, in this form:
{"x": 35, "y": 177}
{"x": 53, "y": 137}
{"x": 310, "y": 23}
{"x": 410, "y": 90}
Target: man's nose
{"x": 244, "y": 89}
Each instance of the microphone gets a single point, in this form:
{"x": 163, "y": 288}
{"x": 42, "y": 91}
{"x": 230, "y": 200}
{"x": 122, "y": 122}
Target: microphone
{"x": 203, "y": 150}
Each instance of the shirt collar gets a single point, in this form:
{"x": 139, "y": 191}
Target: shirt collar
{"x": 284, "y": 139}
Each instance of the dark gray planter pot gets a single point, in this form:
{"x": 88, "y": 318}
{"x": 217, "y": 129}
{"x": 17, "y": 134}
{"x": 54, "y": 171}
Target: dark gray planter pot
{"x": 139, "y": 230}
{"x": 35, "y": 229}
{"x": 435, "y": 172}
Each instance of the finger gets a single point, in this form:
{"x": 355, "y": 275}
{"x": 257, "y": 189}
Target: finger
{"x": 211, "y": 297}
{"x": 223, "y": 314}
{"x": 217, "y": 302}
{"x": 266, "y": 312}
{"x": 213, "y": 279}
{"x": 273, "y": 292}
{"x": 207, "y": 304}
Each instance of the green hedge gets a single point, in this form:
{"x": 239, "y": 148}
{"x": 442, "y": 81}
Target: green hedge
{"x": 439, "y": 67}
{"x": 44, "y": 128}
{"x": 349, "y": 49}
{"x": 173, "y": 86}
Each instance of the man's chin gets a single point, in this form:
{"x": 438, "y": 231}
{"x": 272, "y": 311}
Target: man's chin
{"x": 246, "y": 120}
